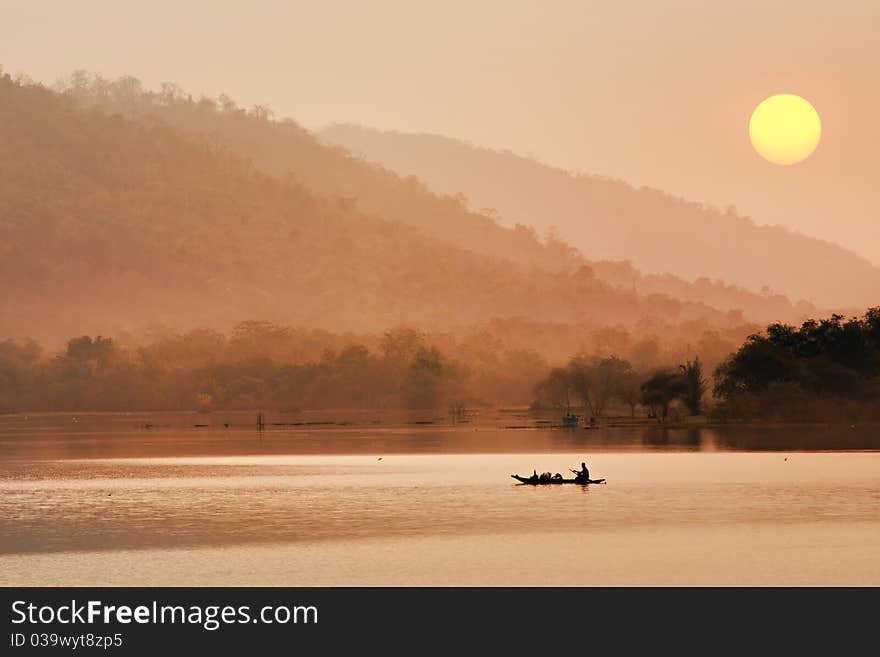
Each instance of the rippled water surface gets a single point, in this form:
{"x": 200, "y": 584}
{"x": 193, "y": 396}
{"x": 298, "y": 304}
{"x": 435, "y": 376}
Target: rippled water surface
{"x": 128, "y": 500}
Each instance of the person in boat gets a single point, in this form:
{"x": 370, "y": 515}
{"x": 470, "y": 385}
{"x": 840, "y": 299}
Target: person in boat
{"x": 583, "y": 473}
{"x": 534, "y": 476}
{"x": 557, "y": 476}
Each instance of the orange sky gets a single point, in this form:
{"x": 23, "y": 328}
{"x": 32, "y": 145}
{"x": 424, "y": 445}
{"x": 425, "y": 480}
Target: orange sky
{"x": 658, "y": 93}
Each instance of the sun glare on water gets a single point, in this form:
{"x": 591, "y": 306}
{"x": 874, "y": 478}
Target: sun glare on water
{"x": 785, "y": 129}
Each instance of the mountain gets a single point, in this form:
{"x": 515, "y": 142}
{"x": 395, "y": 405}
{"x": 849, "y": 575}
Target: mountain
{"x": 108, "y": 223}
{"x": 611, "y": 220}
{"x": 283, "y": 148}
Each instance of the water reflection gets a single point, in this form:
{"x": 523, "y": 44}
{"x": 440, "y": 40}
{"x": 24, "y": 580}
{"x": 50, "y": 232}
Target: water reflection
{"x": 176, "y": 434}
{"x": 74, "y": 505}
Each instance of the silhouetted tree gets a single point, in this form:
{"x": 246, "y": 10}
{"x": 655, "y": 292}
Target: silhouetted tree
{"x": 661, "y": 389}
{"x": 591, "y": 380}
{"x": 629, "y": 390}
{"x": 85, "y": 349}
{"x": 696, "y": 386}
{"x": 424, "y": 382}
{"x": 555, "y": 389}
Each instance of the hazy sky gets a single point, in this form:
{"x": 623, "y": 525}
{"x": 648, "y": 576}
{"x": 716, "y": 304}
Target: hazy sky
{"x": 658, "y": 93}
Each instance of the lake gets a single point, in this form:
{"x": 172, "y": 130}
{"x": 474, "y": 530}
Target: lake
{"x": 367, "y": 499}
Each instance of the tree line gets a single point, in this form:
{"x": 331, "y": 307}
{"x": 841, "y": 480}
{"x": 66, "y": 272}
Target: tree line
{"x": 594, "y": 383}
{"x": 824, "y": 369}
{"x": 260, "y": 365}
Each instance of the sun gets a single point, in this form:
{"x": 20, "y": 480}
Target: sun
{"x": 785, "y": 129}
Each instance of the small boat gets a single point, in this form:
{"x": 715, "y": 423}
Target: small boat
{"x": 544, "y": 482}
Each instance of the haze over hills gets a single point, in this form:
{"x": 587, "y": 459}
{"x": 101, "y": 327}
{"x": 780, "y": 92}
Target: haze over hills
{"x": 109, "y": 222}
{"x": 611, "y": 220}
{"x": 283, "y": 148}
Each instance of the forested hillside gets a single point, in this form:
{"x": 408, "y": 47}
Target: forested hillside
{"x": 284, "y": 148}
{"x": 109, "y": 224}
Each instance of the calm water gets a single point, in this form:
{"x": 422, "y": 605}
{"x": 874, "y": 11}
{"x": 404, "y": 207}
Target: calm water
{"x": 154, "y": 500}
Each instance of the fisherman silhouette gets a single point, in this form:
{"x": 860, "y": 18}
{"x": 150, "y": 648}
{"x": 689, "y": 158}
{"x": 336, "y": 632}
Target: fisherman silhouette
{"x": 583, "y": 473}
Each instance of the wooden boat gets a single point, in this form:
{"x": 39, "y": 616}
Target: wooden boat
{"x": 544, "y": 482}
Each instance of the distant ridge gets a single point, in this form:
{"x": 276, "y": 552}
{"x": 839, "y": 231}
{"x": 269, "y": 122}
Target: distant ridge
{"x": 611, "y": 220}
